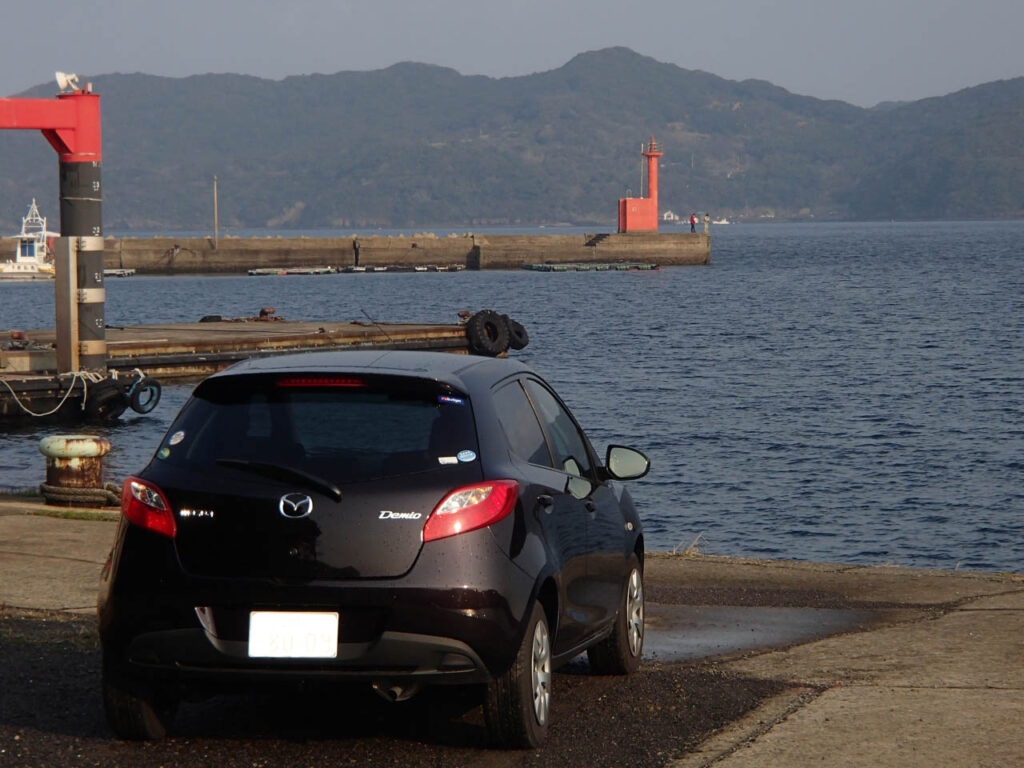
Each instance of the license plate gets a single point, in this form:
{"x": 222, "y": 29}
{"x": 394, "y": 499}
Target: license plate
{"x": 293, "y": 635}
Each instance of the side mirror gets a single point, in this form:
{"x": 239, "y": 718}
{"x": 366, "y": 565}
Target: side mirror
{"x": 625, "y": 463}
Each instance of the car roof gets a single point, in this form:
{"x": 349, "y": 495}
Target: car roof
{"x": 464, "y": 372}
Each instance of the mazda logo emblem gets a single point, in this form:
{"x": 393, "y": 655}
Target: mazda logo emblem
{"x": 295, "y": 505}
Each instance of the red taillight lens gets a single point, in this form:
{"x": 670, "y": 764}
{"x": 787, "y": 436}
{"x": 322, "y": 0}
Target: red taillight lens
{"x": 145, "y": 505}
{"x": 471, "y": 507}
{"x": 319, "y": 380}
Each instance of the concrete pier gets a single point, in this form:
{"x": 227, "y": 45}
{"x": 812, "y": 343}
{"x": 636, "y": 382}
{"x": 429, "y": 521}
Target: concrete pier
{"x": 167, "y": 255}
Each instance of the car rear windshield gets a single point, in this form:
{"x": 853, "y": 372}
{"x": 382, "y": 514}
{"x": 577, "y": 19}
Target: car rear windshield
{"x": 340, "y": 427}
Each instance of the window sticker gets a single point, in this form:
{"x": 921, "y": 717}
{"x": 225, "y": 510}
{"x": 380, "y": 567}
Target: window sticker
{"x": 447, "y": 460}
{"x": 450, "y": 399}
{"x": 466, "y": 456}
{"x": 163, "y": 453}
{"x": 176, "y": 438}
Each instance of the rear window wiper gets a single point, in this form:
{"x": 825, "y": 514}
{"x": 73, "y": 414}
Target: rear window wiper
{"x": 284, "y": 473}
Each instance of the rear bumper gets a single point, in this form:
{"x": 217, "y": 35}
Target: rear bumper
{"x": 457, "y": 617}
{"x": 394, "y": 657}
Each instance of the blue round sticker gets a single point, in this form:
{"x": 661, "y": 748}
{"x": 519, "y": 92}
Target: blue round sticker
{"x": 466, "y": 456}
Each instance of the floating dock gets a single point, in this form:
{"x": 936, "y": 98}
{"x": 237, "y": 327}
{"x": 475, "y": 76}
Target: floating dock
{"x": 617, "y": 266}
{"x": 185, "y": 350}
{"x": 30, "y": 387}
{"x": 68, "y": 397}
{"x": 266, "y": 271}
{"x": 403, "y": 268}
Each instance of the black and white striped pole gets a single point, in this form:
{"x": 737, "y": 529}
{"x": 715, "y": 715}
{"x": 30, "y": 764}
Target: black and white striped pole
{"x": 81, "y": 198}
{"x": 80, "y": 221}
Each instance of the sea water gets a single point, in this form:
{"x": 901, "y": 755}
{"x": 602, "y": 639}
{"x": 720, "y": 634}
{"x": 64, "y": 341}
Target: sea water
{"x": 836, "y": 392}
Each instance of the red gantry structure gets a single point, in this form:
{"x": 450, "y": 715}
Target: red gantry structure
{"x": 71, "y": 124}
{"x": 640, "y": 214}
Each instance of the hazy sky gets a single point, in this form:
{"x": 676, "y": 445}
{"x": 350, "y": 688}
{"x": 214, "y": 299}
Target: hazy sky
{"x": 863, "y": 52}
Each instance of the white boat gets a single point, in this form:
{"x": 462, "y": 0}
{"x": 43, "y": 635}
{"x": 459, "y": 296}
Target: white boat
{"x": 33, "y": 259}
{"x": 720, "y": 221}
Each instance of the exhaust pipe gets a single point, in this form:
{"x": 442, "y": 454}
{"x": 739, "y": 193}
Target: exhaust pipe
{"x": 395, "y": 692}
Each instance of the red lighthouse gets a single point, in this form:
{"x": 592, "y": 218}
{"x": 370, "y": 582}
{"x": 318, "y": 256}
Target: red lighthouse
{"x": 640, "y": 214}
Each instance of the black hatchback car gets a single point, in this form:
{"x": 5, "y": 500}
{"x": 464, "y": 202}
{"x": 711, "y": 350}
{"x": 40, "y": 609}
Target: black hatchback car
{"x": 399, "y": 519}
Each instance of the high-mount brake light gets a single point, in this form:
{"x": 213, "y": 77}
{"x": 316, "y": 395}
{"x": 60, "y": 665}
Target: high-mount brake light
{"x": 145, "y": 505}
{"x": 319, "y": 380}
{"x": 471, "y": 507}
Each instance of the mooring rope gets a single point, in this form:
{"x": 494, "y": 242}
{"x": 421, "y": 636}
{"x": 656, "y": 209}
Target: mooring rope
{"x": 109, "y": 495}
{"x": 86, "y": 377}
{"x": 30, "y": 412}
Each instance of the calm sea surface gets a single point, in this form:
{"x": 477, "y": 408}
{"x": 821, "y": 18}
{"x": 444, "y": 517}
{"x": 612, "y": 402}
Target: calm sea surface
{"x": 837, "y": 392}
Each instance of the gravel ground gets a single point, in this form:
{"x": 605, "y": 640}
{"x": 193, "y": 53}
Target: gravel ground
{"x": 51, "y": 715}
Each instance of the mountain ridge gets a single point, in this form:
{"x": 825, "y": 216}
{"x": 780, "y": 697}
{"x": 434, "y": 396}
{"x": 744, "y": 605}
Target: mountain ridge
{"x": 418, "y": 145}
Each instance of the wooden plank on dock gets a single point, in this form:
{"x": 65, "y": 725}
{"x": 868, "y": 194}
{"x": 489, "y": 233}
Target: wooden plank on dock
{"x": 198, "y": 349}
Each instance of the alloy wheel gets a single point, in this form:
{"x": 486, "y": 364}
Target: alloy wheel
{"x": 541, "y": 672}
{"x": 635, "y": 612}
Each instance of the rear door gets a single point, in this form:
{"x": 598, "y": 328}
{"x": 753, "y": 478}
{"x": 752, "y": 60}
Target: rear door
{"x": 561, "y": 516}
{"x": 604, "y": 521}
{"x": 303, "y": 477}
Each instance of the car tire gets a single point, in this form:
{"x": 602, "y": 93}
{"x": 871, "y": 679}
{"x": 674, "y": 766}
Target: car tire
{"x": 105, "y": 402}
{"x": 145, "y": 394}
{"x": 137, "y": 710}
{"x": 621, "y": 651}
{"x": 487, "y": 333}
{"x": 518, "y": 338}
{"x": 518, "y": 704}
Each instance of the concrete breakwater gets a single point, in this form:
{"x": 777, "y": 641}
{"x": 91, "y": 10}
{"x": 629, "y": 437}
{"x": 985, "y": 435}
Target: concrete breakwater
{"x": 169, "y": 255}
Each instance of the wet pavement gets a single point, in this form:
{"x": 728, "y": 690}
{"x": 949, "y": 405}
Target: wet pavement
{"x": 813, "y": 664}
{"x": 682, "y": 632}
{"x": 51, "y": 563}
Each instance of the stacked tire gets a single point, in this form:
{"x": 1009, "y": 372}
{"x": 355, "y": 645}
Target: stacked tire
{"x": 492, "y": 334}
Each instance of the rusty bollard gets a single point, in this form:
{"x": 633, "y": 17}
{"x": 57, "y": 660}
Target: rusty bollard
{"x": 74, "y": 471}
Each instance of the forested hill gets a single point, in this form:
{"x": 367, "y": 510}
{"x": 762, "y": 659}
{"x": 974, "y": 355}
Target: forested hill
{"x": 418, "y": 144}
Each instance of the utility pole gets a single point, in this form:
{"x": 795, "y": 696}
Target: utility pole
{"x": 216, "y": 226}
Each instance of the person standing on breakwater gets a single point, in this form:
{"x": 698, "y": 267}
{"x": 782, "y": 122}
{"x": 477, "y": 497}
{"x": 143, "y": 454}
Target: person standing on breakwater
{"x": 693, "y": 222}
{"x": 707, "y": 220}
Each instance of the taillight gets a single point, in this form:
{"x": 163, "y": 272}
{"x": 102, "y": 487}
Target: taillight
{"x": 471, "y": 507}
{"x": 145, "y": 505}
